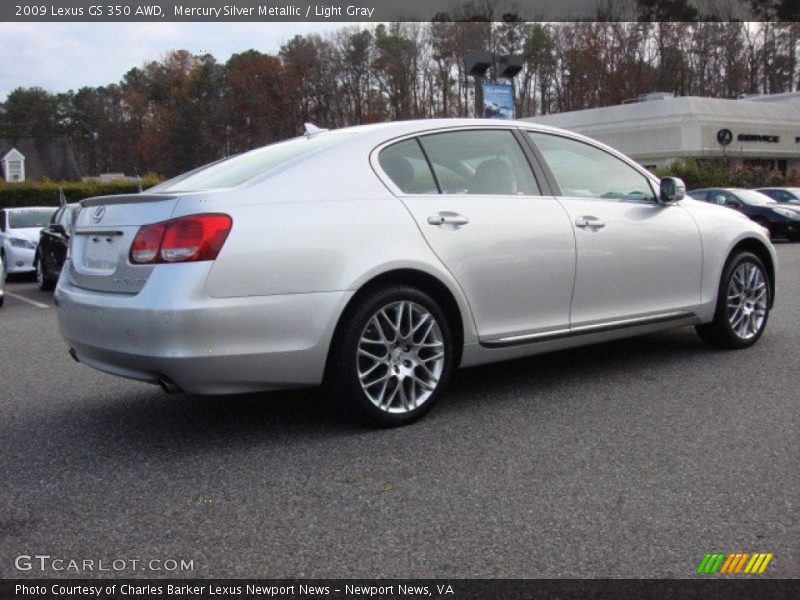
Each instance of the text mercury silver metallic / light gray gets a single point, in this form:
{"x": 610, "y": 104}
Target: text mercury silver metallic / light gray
{"x": 378, "y": 258}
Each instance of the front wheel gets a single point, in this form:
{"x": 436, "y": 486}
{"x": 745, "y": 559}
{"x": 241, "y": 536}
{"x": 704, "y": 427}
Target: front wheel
{"x": 394, "y": 356}
{"x": 742, "y": 304}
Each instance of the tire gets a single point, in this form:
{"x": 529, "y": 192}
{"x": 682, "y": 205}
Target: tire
{"x": 743, "y": 302}
{"x": 45, "y": 284}
{"x": 399, "y": 343}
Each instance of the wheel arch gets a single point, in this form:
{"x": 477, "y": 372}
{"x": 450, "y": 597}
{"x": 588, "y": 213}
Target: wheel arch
{"x": 411, "y": 277}
{"x": 758, "y": 248}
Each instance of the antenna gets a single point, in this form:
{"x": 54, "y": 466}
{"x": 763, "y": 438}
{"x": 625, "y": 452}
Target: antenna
{"x": 309, "y": 130}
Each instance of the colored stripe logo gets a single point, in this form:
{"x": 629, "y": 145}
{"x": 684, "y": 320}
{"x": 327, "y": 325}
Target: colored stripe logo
{"x": 734, "y": 563}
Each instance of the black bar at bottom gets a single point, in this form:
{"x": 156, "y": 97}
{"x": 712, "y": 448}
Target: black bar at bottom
{"x": 408, "y": 589}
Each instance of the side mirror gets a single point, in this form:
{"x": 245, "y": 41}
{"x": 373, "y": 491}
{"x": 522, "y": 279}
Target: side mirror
{"x": 671, "y": 190}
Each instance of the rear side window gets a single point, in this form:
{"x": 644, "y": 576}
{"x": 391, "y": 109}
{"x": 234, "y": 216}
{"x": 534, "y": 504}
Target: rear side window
{"x": 699, "y": 195}
{"x": 487, "y": 162}
{"x": 584, "y": 170}
{"x": 406, "y": 166}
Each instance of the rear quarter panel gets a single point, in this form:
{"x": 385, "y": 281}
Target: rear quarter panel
{"x": 325, "y": 225}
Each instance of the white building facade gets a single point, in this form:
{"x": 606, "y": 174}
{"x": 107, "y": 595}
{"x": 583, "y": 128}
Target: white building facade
{"x": 657, "y": 129}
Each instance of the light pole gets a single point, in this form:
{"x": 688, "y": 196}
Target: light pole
{"x": 478, "y": 62}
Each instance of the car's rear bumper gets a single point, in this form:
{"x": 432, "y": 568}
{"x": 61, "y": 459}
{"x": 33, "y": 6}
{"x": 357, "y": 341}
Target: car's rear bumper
{"x": 201, "y": 345}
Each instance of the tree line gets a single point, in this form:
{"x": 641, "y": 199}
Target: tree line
{"x": 183, "y": 110}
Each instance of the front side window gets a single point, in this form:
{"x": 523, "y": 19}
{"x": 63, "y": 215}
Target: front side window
{"x": 480, "y": 162}
{"x": 586, "y": 171}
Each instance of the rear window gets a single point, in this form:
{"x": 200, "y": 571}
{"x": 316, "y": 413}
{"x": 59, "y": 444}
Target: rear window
{"x": 244, "y": 167}
{"x": 34, "y": 217}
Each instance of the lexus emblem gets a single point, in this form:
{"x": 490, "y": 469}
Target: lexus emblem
{"x": 99, "y": 212}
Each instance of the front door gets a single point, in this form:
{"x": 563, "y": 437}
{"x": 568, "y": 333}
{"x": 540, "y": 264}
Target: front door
{"x": 635, "y": 257}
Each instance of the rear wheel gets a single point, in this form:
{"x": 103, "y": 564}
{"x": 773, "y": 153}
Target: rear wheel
{"x": 742, "y": 304}
{"x": 394, "y": 357}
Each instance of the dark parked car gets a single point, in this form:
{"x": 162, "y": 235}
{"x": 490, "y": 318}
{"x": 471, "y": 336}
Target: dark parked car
{"x": 52, "y": 250}
{"x": 785, "y": 195}
{"x": 782, "y": 220}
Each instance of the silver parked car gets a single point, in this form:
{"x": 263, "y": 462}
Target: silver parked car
{"x": 377, "y": 259}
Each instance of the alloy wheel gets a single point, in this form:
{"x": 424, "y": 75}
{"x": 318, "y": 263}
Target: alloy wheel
{"x": 746, "y": 303}
{"x": 400, "y": 357}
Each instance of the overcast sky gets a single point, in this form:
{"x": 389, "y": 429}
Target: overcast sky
{"x": 66, "y": 56}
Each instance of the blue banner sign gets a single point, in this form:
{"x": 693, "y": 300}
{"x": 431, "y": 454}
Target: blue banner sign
{"x": 498, "y": 101}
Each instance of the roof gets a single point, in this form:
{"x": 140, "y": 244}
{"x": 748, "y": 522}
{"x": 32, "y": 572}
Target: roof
{"x": 671, "y": 109}
{"x": 51, "y": 157}
{"x": 13, "y": 153}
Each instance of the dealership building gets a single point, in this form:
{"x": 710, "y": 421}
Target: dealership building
{"x": 655, "y": 129}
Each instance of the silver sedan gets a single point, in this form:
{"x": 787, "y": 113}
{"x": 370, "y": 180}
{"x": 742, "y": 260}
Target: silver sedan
{"x": 377, "y": 259}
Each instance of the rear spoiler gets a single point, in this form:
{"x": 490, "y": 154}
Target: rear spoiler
{"x": 125, "y": 199}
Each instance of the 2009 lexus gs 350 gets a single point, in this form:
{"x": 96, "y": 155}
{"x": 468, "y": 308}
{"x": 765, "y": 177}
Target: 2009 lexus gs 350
{"x": 377, "y": 259}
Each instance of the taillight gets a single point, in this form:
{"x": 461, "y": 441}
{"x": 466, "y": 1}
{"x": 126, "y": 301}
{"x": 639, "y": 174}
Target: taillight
{"x": 186, "y": 239}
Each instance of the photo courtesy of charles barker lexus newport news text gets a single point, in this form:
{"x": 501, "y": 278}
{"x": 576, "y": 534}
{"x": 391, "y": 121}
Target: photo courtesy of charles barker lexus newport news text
{"x": 373, "y": 300}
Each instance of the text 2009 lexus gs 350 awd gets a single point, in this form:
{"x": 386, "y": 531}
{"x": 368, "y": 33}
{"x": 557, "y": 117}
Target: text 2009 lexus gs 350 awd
{"x": 377, "y": 259}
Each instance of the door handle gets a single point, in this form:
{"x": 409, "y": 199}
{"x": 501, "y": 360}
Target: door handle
{"x": 589, "y": 222}
{"x": 448, "y": 218}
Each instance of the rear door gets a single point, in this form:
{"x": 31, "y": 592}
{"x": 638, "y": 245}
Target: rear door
{"x": 476, "y": 200}
{"x": 635, "y": 257}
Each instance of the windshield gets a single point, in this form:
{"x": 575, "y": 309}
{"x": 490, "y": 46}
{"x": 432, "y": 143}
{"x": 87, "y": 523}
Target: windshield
{"x": 790, "y": 195}
{"x": 238, "y": 169}
{"x": 32, "y": 217}
{"x": 754, "y": 198}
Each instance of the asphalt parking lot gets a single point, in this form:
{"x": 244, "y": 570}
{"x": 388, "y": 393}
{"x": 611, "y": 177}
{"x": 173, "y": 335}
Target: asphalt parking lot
{"x": 628, "y": 459}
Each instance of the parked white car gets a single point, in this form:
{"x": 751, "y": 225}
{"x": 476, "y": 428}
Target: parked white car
{"x": 377, "y": 259}
{"x": 19, "y": 235}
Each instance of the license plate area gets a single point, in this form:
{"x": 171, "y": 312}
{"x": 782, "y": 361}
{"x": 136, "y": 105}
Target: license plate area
{"x": 101, "y": 251}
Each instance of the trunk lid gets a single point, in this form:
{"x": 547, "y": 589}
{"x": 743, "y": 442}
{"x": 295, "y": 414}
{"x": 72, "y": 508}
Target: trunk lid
{"x": 102, "y": 239}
